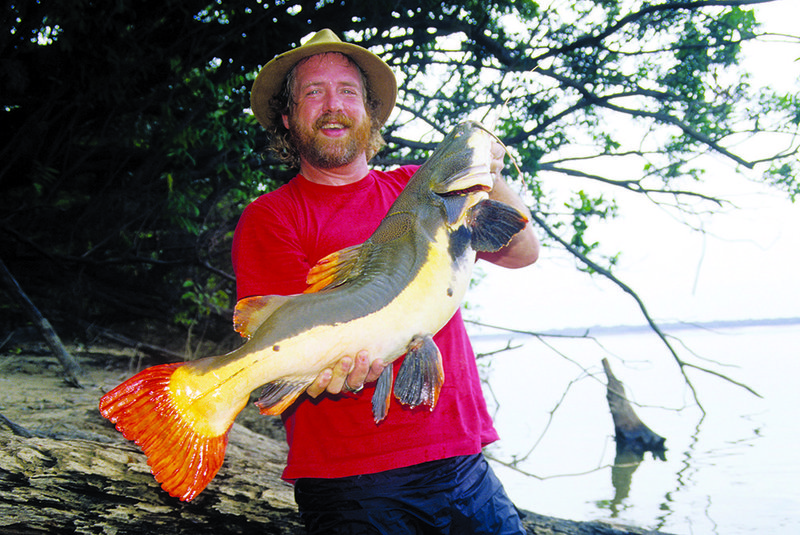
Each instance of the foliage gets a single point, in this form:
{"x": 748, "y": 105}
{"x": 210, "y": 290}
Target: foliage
{"x": 128, "y": 152}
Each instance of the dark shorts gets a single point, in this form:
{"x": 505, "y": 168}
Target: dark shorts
{"x": 454, "y": 496}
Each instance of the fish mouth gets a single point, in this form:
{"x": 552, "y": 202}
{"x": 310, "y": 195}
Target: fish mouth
{"x": 466, "y": 191}
{"x": 471, "y": 180}
{"x": 461, "y": 174}
{"x": 469, "y": 162}
{"x": 458, "y": 201}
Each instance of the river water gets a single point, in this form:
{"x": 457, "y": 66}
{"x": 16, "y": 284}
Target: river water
{"x": 731, "y": 468}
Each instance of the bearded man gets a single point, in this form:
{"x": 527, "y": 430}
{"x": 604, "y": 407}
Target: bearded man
{"x": 418, "y": 471}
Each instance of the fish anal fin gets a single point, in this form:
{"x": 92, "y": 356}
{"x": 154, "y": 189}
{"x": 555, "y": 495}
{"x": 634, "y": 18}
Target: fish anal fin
{"x": 251, "y": 312}
{"x": 421, "y": 375}
{"x": 334, "y": 269}
{"x": 277, "y": 396}
{"x": 493, "y": 224}
{"x": 382, "y": 394}
{"x": 181, "y": 459}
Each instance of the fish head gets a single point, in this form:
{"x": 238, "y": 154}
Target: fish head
{"x": 459, "y": 171}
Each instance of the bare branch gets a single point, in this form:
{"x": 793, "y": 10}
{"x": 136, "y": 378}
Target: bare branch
{"x": 631, "y": 185}
{"x": 682, "y": 365}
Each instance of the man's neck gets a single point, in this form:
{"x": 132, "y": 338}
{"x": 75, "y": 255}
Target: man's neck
{"x": 337, "y": 176}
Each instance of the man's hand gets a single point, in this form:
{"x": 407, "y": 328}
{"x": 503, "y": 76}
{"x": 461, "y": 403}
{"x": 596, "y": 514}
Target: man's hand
{"x": 348, "y": 375}
{"x": 498, "y": 152}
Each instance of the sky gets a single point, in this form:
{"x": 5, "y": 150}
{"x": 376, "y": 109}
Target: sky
{"x": 742, "y": 267}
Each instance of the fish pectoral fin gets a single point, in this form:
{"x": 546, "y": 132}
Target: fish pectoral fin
{"x": 278, "y": 395}
{"x": 183, "y": 460}
{"x": 493, "y": 224}
{"x": 421, "y": 375}
{"x": 251, "y": 312}
{"x": 335, "y": 269}
{"x": 382, "y": 394}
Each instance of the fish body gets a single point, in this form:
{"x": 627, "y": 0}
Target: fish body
{"x": 387, "y": 296}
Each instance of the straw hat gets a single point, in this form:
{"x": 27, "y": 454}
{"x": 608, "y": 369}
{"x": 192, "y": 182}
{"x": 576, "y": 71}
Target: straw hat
{"x": 270, "y": 78}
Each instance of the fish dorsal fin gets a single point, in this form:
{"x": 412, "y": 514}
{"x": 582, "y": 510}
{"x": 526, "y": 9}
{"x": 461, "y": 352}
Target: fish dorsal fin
{"x": 335, "y": 269}
{"x": 251, "y": 312}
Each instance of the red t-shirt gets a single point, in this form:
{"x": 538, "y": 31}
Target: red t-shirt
{"x": 279, "y": 237}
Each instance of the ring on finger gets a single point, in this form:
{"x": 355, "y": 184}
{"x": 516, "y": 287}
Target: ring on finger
{"x": 350, "y": 388}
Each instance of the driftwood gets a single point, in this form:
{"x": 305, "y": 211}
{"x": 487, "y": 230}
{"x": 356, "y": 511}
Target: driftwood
{"x": 65, "y": 469}
{"x": 72, "y": 369}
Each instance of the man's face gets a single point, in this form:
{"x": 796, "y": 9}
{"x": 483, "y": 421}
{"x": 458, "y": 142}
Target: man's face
{"x": 329, "y": 123}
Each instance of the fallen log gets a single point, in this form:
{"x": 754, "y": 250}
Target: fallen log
{"x": 82, "y": 486}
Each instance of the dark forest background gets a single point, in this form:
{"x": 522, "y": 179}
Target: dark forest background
{"x": 127, "y": 151}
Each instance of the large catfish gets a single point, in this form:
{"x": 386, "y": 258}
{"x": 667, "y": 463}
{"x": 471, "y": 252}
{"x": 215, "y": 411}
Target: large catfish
{"x": 388, "y": 296}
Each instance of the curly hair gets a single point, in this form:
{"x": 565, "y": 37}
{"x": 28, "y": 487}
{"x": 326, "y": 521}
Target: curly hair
{"x": 283, "y": 103}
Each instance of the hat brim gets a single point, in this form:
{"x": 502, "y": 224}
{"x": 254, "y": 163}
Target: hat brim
{"x": 270, "y": 78}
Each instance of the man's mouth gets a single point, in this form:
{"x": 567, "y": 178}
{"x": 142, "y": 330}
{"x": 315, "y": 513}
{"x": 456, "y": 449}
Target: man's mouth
{"x": 333, "y": 124}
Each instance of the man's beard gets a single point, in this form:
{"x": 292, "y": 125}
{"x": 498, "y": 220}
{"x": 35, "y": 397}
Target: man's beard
{"x": 331, "y": 152}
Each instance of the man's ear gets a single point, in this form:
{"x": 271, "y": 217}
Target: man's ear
{"x": 285, "y": 119}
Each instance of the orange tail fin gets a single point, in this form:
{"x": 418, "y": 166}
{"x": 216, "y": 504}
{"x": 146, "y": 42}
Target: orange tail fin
{"x": 181, "y": 459}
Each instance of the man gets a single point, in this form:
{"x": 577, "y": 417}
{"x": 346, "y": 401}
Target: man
{"x": 418, "y": 471}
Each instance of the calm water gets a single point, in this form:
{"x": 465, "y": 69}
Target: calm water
{"x": 734, "y": 470}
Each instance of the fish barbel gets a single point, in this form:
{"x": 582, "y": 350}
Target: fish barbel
{"x": 387, "y": 296}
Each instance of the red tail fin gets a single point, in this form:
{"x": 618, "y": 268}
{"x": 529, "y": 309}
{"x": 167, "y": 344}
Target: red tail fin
{"x": 182, "y": 460}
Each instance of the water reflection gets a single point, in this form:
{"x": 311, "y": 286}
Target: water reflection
{"x": 625, "y": 464}
{"x": 732, "y": 467}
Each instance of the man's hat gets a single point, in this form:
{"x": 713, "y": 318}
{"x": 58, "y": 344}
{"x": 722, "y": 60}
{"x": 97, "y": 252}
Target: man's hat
{"x": 270, "y": 78}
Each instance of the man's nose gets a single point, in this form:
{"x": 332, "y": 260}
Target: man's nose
{"x": 333, "y": 101}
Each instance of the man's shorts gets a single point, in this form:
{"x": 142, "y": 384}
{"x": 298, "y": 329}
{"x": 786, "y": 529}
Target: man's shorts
{"x": 457, "y": 496}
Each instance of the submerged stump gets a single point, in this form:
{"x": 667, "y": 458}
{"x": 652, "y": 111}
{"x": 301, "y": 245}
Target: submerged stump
{"x": 632, "y": 435}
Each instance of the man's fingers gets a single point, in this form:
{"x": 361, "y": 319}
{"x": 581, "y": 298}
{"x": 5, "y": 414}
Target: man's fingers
{"x": 498, "y": 159}
{"x": 358, "y": 376}
{"x": 320, "y": 383}
{"x": 375, "y": 370}
{"x": 348, "y": 375}
{"x": 340, "y": 372}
